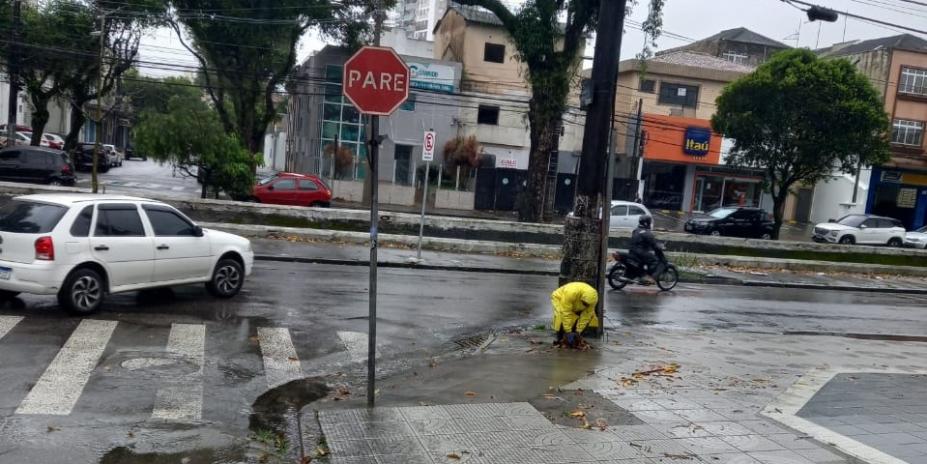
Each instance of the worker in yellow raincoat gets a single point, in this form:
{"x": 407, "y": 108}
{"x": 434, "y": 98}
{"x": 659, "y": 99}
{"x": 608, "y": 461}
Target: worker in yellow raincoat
{"x": 574, "y": 311}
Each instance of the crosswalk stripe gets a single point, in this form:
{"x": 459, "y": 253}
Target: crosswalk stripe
{"x": 57, "y": 391}
{"x": 153, "y": 186}
{"x": 281, "y": 364}
{"x": 177, "y": 189}
{"x": 7, "y": 323}
{"x": 182, "y": 399}
{"x": 355, "y": 343}
{"x": 130, "y": 184}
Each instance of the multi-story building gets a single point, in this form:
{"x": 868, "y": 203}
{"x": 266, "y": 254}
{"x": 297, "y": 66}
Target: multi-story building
{"x": 897, "y": 68}
{"x": 418, "y": 17}
{"x": 678, "y": 159}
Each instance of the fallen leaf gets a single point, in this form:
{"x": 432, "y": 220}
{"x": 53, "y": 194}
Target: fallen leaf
{"x": 601, "y": 424}
{"x": 471, "y": 394}
{"x": 52, "y": 429}
{"x": 321, "y": 451}
{"x": 454, "y": 456}
{"x": 433, "y": 363}
{"x": 293, "y": 358}
{"x": 578, "y": 413}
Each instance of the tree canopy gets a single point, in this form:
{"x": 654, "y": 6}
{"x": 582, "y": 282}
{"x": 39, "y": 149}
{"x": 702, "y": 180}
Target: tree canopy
{"x": 190, "y": 137}
{"x": 800, "y": 119}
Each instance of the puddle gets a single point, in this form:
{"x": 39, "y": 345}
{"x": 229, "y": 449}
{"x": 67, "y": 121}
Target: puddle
{"x": 277, "y": 408}
{"x": 148, "y": 364}
{"x": 124, "y": 455}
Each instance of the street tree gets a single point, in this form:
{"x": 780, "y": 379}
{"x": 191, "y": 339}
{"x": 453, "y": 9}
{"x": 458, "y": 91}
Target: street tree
{"x": 247, "y": 49}
{"x": 800, "y": 119}
{"x": 191, "y": 138}
{"x": 550, "y": 36}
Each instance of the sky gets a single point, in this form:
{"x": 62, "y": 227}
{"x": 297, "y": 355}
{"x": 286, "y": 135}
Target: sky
{"x": 692, "y": 19}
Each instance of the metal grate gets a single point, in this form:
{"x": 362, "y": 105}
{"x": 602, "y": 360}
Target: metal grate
{"x": 468, "y": 343}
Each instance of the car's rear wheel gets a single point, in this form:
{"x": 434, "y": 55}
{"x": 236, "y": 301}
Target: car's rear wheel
{"x": 83, "y": 292}
{"x": 895, "y": 242}
{"x": 847, "y": 240}
{"x": 7, "y": 295}
{"x": 227, "y": 279}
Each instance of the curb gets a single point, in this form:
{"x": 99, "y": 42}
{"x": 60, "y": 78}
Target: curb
{"x": 705, "y": 280}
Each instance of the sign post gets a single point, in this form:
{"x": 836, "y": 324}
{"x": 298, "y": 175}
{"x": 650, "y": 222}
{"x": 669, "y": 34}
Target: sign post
{"x": 376, "y": 81}
{"x": 428, "y": 155}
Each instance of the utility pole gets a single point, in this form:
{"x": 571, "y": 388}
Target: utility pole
{"x": 13, "y": 68}
{"x": 98, "y": 146}
{"x": 374, "y": 160}
{"x": 638, "y": 147}
{"x": 582, "y": 233}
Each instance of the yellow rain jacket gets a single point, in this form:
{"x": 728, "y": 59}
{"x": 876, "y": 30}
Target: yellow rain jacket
{"x": 574, "y": 303}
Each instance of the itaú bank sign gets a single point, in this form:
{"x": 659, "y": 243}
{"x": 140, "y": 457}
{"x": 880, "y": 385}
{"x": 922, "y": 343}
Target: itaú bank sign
{"x": 696, "y": 141}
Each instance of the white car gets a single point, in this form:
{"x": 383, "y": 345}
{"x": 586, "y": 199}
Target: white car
{"x": 916, "y": 239}
{"x": 113, "y": 155}
{"x": 81, "y": 247}
{"x": 863, "y": 229}
{"x": 625, "y": 214}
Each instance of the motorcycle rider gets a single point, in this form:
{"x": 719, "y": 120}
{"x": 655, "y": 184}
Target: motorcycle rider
{"x": 644, "y": 245}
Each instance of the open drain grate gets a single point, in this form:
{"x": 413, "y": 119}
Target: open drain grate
{"x": 470, "y": 343}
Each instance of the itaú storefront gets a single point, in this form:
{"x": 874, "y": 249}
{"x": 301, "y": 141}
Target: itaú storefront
{"x": 682, "y": 168}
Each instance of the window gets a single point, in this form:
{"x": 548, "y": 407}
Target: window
{"x": 494, "y": 53}
{"x": 743, "y": 214}
{"x": 409, "y": 104}
{"x": 620, "y": 210}
{"x": 886, "y": 223}
{"x": 678, "y": 95}
{"x": 9, "y": 156}
{"x": 906, "y": 132}
{"x": 913, "y": 81}
{"x": 488, "y": 115}
{"x": 870, "y": 223}
{"x": 342, "y": 121}
{"x": 118, "y": 221}
{"x": 734, "y": 57}
{"x": 648, "y": 85}
{"x": 635, "y": 211}
{"x": 285, "y": 184}
{"x": 167, "y": 223}
{"x": 81, "y": 226}
{"x": 24, "y": 217}
{"x": 306, "y": 184}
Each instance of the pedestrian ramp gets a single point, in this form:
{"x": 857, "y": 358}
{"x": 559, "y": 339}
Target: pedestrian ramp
{"x": 179, "y": 398}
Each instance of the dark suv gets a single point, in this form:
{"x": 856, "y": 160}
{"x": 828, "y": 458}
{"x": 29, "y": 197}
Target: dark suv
{"x": 36, "y": 164}
{"x": 733, "y": 222}
{"x": 83, "y": 158}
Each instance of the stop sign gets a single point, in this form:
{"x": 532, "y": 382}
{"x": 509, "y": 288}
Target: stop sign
{"x": 376, "y": 80}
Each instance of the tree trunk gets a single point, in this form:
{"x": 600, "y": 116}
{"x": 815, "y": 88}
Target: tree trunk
{"x": 544, "y": 139}
{"x": 204, "y": 181}
{"x": 77, "y": 122}
{"x": 39, "y": 116}
{"x": 580, "y": 262}
{"x": 779, "y": 210}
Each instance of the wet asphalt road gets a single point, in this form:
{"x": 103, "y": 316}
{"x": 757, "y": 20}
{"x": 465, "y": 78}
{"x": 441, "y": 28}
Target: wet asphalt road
{"x": 323, "y": 309}
{"x": 144, "y": 179}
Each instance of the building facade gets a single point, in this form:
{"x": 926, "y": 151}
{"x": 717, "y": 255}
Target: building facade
{"x": 739, "y": 46}
{"x": 672, "y": 150}
{"x": 418, "y": 17}
{"x": 897, "y": 68}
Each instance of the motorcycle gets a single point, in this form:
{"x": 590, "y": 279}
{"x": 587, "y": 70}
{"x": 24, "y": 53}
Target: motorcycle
{"x": 627, "y": 270}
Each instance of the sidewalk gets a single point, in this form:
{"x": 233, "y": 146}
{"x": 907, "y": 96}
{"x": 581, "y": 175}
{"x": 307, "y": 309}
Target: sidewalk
{"x": 322, "y": 253}
{"x": 653, "y": 396}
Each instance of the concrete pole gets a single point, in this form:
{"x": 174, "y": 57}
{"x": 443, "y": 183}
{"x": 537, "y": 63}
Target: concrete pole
{"x": 421, "y": 225}
{"x": 97, "y": 147}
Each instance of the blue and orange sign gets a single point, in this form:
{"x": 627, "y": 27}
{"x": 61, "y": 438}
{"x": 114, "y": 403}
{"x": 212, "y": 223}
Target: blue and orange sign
{"x": 678, "y": 139}
{"x": 697, "y": 141}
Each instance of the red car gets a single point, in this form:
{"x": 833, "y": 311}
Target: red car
{"x": 286, "y": 188}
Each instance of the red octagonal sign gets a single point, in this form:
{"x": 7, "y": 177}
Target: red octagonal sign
{"x": 376, "y": 80}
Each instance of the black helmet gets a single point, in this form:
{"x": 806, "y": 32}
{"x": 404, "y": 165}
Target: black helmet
{"x": 645, "y": 221}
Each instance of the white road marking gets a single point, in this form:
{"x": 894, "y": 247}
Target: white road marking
{"x": 152, "y": 186}
{"x": 57, "y": 391}
{"x": 785, "y": 410}
{"x": 281, "y": 364}
{"x": 356, "y": 344}
{"x": 177, "y": 189}
{"x": 182, "y": 400}
{"x": 7, "y": 323}
{"x": 131, "y": 184}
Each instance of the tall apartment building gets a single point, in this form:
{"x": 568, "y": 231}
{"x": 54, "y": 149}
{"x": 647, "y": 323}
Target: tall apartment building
{"x": 419, "y": 17}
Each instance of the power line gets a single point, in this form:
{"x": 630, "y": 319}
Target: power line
{"x": 863, "y": 18}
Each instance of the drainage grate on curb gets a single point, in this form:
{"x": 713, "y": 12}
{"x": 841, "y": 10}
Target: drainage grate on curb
{"x": 470, "y": 343}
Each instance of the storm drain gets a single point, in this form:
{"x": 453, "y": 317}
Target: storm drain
{"x": 475, "y": 342}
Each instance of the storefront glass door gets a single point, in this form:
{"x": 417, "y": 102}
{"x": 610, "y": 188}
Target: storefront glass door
{"x": 713, "y": 192}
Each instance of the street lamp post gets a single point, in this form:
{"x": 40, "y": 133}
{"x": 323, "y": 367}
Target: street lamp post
{"x": 94, "y": 180}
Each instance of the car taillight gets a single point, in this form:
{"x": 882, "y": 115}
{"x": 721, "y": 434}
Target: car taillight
{"x": 66, "y": 170}
{"x": 45, "y": 249}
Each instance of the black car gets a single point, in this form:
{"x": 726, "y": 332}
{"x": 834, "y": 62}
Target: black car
{"x": 38, "y": 165}
{"x": 83, "y": 158}
{"x": 733, "y": 222}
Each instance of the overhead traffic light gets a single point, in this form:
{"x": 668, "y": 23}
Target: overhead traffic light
{"x": 819, "y": 13}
